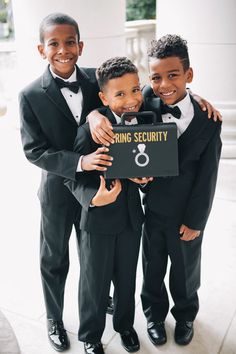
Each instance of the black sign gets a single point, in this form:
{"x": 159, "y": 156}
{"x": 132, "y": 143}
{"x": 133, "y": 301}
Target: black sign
{"x": 144, "y": 150}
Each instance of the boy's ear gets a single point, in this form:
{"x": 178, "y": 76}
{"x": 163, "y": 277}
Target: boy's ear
{"x": 189, "y": 75}
{"x": 102, "y": 97}
{"x": 41, "y": 51}
{"x": 81, "y": 45}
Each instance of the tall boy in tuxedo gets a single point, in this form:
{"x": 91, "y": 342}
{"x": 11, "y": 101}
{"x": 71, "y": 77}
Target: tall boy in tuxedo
{"x": 177, "y": 208}
{"x": 111, "y": 221}
{"x": 51, "y": 109}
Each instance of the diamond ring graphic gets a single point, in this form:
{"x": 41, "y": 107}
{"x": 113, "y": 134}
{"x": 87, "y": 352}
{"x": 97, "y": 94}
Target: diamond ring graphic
{"x": 141, "y": 156}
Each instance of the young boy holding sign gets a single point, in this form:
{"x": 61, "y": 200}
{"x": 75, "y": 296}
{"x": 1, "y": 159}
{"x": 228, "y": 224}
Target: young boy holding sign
{"x": 111, "y": 221}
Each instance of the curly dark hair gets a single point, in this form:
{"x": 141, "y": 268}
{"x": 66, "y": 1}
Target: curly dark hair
{"x": 56, "y": 18}
{"x": 113, "y": 68}
{"x": 170, "y": 45}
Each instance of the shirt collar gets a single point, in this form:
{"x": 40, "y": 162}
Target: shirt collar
{"x": 70, "y": 79}
{"x": 118, "y": 120}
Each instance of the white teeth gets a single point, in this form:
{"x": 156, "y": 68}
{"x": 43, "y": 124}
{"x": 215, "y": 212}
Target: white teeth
{"x": 63, "y": 61}
{"x": 167, "y": 93}
{"x": 130, "y": 108}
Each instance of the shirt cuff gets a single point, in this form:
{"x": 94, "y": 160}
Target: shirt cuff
{"x": 79, "y": 168}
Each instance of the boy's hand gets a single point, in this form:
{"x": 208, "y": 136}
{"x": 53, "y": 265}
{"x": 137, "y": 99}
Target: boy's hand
{"x": 97, "y": 158}
{"x": 207, "y": 106}
{"x": 141, "y": 180}
{"x": 105, "y": 196}
{"x": 101, "y": 128}
{"x": 188, "y": 234}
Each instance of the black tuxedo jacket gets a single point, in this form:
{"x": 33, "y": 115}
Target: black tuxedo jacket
{"x": 108, "y": 219}
{"x": 187, "y": 198}
{"x": 48, "y": 130}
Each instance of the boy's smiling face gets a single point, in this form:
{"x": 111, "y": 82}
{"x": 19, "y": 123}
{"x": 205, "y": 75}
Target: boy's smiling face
{"x": 122, "y": 94}
{"x": 61, "y": 48}
{"x": 168, "y": 79}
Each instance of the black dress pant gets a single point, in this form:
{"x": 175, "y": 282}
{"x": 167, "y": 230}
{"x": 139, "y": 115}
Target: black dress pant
{"x": 56, "y": 227}
{"x": 106, "y": 258}
{"x": 161, "y": 240}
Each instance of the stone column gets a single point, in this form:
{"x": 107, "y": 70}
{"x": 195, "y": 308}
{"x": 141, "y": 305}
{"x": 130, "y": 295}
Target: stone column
{"x": 209, "y": 28}
{"x": 101, "y": 25}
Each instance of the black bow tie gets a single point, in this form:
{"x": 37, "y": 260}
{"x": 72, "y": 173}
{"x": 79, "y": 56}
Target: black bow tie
{"x": 73, "y": 86}
{"x": 175, "y": 111}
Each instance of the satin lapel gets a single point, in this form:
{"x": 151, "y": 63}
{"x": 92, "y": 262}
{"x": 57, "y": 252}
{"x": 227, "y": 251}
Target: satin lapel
{"x": 54, "y": 94}
{"x": 87, "y": 88}
{"x": 111, "y": 117}
{"x": 195, "y": 127}
{"x": 153, "y": 104}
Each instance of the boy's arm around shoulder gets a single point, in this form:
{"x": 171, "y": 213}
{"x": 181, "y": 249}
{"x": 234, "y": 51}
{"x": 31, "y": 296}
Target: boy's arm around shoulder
{"x": 36, "y": 145}
{"x": 86, "y": 184}
{"x": 100, "y": 126}
{"x": 202, "y": 194}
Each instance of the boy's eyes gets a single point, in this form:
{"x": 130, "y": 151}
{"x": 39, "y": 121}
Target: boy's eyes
{"x": 158, "y": 78}
{"x": 72, "y": 42}
{"x": 121, "y": 94}
{"x": 170, "y": 76}
{"x": 56, "y": 44}
{"x": 53, "y": 44}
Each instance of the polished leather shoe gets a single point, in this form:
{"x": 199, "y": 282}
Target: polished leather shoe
{"x": 183, "y": 332}
{"x": 157, "y": 333}
{"x": 90, "y": 348}
{"x": 130, "y": 341}
{"x": 57, "y": 336}
{"x": 110, "y": 306}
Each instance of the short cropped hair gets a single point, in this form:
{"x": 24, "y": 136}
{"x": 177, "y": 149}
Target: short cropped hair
{"x": 170, "y": 45}
{"x": 57, "y": 18}
{"x": 113, "y": 68}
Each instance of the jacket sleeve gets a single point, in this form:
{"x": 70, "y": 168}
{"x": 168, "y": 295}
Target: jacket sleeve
{"x": 86, "y": 184}
{"x": 201, "y": 198}
{"x": 37, "y": 147}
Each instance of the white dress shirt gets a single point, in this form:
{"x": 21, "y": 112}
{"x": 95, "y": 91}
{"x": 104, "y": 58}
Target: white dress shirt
{"x": 131, "y": 122}
{"x": 187, "y": 113}
{"x": 74, "y": 102}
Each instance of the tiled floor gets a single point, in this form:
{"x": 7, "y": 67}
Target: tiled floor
{"x": 21, "y": 299}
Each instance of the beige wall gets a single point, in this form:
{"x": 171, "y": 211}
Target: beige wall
{"x": 101, "y": 25}
{"x": 209, "y": 28}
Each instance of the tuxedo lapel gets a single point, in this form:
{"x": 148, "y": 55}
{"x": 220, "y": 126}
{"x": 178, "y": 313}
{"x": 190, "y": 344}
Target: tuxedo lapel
{"x": 111, "y": 116}
{"x": 54, "y": 94}
{"x": 153, "y": 103}
{"x": 83, "y": 79}
{"x": 87, "y": 89}
{"x": 195, "y": 127}
{"x": 105, "y": 111}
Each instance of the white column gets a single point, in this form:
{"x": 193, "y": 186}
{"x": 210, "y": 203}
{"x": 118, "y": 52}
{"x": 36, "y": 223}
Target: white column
{"x": 101, "y": 23}
{"x": 209, "y": 28}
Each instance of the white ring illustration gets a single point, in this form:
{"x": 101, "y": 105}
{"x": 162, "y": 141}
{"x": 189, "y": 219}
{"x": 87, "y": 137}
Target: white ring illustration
{"x": 141, "y": 148}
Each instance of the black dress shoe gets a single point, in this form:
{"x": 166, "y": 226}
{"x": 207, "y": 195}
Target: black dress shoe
{"x": 57, "y": 336}
{"x": 157, "y": 333}
{"x": 110, "y": 306}
{"x": 130, "y": 341}
{"x": 183, "y": 332}
{"x": 90, "y": 348}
